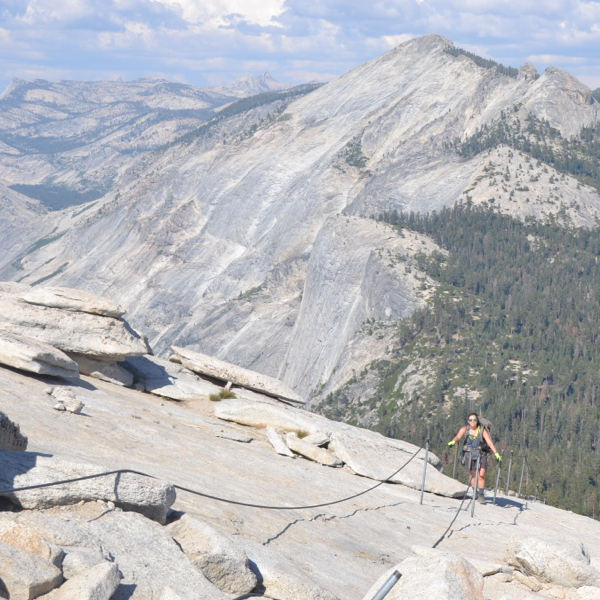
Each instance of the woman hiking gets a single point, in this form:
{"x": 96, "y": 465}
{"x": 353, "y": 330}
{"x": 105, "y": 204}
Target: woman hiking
{"x": 478, "y": 443}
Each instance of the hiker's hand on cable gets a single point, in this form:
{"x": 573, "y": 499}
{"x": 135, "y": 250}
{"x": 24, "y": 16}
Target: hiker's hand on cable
{"x": 451, "y": 443}
{"x": 498, "y": 457}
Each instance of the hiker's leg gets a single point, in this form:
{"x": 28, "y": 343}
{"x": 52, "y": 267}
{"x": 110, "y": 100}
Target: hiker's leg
{"x": 481, "y": 479}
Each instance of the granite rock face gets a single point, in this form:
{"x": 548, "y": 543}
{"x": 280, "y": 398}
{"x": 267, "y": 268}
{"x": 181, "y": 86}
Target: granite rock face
{"x": 261, "y": 250}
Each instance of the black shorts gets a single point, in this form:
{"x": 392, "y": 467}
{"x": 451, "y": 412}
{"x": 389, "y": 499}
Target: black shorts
{"x": 473, "y": 463}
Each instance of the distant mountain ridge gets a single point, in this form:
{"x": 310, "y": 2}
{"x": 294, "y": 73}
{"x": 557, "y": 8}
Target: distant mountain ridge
{"x": 74, "y": 134}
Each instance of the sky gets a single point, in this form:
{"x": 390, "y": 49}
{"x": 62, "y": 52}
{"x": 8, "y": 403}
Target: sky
{"x": 210, "y": 42}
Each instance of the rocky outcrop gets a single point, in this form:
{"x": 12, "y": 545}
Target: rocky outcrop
{"x": 367, "y": 453}
{"x": 11, "y": 437}
{"x": 93, "y": 335}
{"x": 374, "y": 456}
{"x": 72, "y": 300}
{"x": 109, "y": 554}
{"x": 96, "y": 583}
{"x": 566, "y": 563}
{"x": 168, "y": 379}
{"x": 26, "y": 576}
{"x": 433, "y": 574}
{"x": 221, "y": 561}
{"x": 130, "y": 491}
{"x": 308, "y": 450}
{"x": 219, "y": 369}
{"x": 149, "y": 559}
{"x": 26, "y": 538}
{"x": 31, "y": 355}
{"x": 277, "y": 439}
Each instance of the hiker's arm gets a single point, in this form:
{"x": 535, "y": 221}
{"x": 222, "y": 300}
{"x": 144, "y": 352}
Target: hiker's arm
{"x": 488, "y": 438}
{"x": 460, "y": 434}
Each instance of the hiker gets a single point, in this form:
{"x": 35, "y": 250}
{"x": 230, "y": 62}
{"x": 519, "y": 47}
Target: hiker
{"x": 478, "y": 443}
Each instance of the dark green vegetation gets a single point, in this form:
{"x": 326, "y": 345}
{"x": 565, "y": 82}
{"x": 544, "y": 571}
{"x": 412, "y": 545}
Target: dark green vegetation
{"x": 512, "y": 331}
{"x": 579, "y": 156}
{"x": 245, "y": 105}
{"x": 59, "y": 196}
{"x": 483, "y": 62}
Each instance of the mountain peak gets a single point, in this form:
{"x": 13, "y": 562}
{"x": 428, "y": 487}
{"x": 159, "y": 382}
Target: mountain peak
{"x": 247, "y": 85}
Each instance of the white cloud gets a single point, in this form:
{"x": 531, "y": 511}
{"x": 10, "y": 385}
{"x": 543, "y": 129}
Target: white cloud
{"x": 204, "y": 41}
{"x": 257, "y": 12}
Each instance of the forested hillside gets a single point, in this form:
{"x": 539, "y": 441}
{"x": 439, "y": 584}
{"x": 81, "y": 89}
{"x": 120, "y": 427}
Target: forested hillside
{"x": 512, "y": 331}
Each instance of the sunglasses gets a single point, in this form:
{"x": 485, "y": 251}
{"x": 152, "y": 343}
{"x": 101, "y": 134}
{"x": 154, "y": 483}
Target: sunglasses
{"x": 474, "y": 420}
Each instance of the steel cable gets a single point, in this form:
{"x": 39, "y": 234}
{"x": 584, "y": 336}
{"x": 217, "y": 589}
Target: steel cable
{"x": 204, "y": 495}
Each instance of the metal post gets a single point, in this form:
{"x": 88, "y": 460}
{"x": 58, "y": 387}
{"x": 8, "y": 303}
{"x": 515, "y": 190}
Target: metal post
{"x": 387, "y": 586}
{"x": 475, "y": 485}
{"x": 521, "y": 480}
{"x": 509, "y": 468}
{"x": 455, "y": 460}
{"x": 497, "y": 482}
{"x": 424, "y": 470}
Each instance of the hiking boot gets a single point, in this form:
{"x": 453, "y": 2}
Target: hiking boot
{"x": 481, "y": 498}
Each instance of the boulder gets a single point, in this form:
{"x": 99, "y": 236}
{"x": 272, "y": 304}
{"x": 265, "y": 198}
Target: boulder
{"x": 129, "y": 491}
{"x": 26, "y": 538}
{"x": 277, "y": 439}
{"x": 168, "y": 379}
{"x": 149, "y": 559}
{"x": 33, "y": 356}
{"x": 264, "y": 414}
{"x": 433, "y": 574}
{"x": 108, "y": 371}
{"x": 281, "y": 578}
{"x": 26, "y": 576}
{"x": 221, "y": 561}
{"x": 95, "y": 583}
{"x": 320, "y": 455}
{"x": 11, "y": 437}
{"x": 72, "y": 300}
{"x": 224, "y": 371}
{"x": 566, "y": 563}
{"x": 78, "y": 559}
{"x": 374, "y": 456}
{"x": 102, "y": 337}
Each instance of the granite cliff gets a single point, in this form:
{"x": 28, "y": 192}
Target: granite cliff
{"x": 250, "y": 237}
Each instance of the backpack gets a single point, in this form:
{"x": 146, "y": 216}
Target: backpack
{"x": 487, "y": 425}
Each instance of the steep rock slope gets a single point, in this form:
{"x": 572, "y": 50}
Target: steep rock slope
{"x": 252, "y": 241}
{"x": 341, "y": 550}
